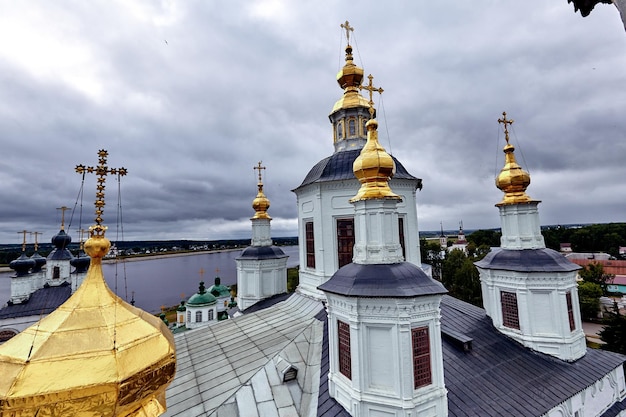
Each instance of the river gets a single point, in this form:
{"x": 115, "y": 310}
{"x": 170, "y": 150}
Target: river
{"x": 165, "y": 281}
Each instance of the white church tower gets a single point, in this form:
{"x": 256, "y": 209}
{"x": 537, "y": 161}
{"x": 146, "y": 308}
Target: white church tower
{"x": 384, "y": 330}
{"x": 261, "y": 267}
{"x": 326, "y": 221}
{"x": 529, "y": 291}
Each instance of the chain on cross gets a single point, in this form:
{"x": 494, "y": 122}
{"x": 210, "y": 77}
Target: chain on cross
{"x": 506, "y": 122}
{"x": 101, "y": 171}
{"x": 259, "y": 167}
{"x": 370, "y": 87}
{"x": 346, "y": 26}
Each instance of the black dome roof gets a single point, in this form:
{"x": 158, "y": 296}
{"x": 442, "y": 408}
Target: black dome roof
{"x": 398, "y": 280}
{"x": 527, "y": 260}
{"x": 338, "y": 167}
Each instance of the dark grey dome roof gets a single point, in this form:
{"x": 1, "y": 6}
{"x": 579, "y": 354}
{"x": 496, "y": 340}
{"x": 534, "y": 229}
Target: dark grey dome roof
{"x": 262, "y": 252}
{"x": 338, "y": 167}
{"x": 527, "y": 260}
{"x": 399, "y": 280}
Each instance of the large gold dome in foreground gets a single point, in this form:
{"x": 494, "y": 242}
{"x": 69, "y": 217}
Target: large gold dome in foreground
{"x": 96, "y": 355}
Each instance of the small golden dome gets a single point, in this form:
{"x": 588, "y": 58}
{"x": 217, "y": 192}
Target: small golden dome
{"x": 374, "y": 167}
{"x": 512, "y": 180}
{"x": 350, "y": 75}
{"x": 96, "y": 355}
{"x": 261, "y": 203}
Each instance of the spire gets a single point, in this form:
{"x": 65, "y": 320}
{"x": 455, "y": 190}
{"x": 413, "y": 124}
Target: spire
{"x": 512, "y": 180}
{"x": 107, "y": 357}
{"x": 261, "y": 203}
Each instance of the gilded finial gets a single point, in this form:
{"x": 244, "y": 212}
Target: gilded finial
{"x": 346, "y": 26}
{"x": 506, "y": 122}
{"x": 261, "y": 203}
{"x": 23, "y": 233}
{"x": 101, "y": 171}
{"x": 63, "y": 210}
{"x": 370, "y": 88}
{"x": 512, "y": 180}
{"x": 36, "y": 241}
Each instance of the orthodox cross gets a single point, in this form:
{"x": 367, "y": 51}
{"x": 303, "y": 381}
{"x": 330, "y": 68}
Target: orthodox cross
{"x": 370, "y": 87}
{"x": 348, "y": 29}
{"x": 506, "y": 123}
{"x": 23, "y": 233}
{"x": 36, "y": 242}
{"x": 201, "y": 273}
{"x": 217, "y": 271}
{"x": 63, "y": 210}
{"x": 101, "y": 171}
{"x": 259, "y": 167}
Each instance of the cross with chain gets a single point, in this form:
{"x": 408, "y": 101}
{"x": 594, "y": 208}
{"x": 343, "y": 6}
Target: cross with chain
{"x": 101, "y": 171}
{"x": 259, "y": 167}
{"x": 23, "y": 233}
{"x": 348, "y": 29}
{"x": 63, "y": 210}
{"x": 506, "y": 123}
{"x": 370, "y": 87}
{"x": 36, "y": 242}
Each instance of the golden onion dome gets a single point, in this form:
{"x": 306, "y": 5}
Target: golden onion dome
{"x": 349, "y": 79}
{"x": 261, "y": 203}
{"x": 96, "y": 355}
{"x": 374, "y": 167}
{"x": 512, "y": 180}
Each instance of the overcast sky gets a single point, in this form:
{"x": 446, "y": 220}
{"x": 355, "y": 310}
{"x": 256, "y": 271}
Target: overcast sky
{"x": 189, "y": 96}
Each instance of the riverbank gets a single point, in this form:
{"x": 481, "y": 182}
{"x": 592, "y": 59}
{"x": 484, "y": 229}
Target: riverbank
{"x": 150, "y": 256}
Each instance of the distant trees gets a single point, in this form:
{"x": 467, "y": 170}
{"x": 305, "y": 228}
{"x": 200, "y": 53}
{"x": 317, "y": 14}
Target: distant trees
{"x": 614, "y": 334}
{"x": 606, "y": 237}
{"x": 461, "y": 278}
{"x": 594, "y": 272}
{"x": 589, "y": 294}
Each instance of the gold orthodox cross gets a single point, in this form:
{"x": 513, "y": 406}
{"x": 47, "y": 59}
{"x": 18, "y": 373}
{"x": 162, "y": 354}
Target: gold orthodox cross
{"x": 370, "y": 87}
{"x": 23, "y": 233}
{"x": 201, "y": 273}
{"x": 101, "y": 171}
{"x": 348, "y": 29}
{"x": 217, "y": 271}
{"x": 259, "y": 167}
{"x": 506, "y": 123}
{"x": 63, "y": 210}
{"x": 36, "y": 242}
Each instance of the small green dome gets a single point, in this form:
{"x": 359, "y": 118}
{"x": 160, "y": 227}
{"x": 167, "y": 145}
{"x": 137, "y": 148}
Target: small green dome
{"x": 218, "y": 289}
{"x": 181, "y": 307}
{"x": 201, "y": 298}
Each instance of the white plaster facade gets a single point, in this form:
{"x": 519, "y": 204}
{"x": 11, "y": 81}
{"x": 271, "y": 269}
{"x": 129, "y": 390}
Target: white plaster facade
{"x": 258, "y": 279}
{"x": 520, "y": 225}
{"x": 381, "y": 353}
{"x": 323, "y": 204}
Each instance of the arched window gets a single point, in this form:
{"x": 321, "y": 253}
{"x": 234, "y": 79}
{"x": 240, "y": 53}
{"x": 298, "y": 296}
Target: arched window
{"x": 189, "y": 317}
{"x": 56, "y": 272}
{"x": 339, "y": 130}
{"x": 364, "y": 128}
{"x": 6, "y": 335}
{"x": 352, "y": 127}
{"x": 198, "y": 316}
{"x": 210, "y": 315}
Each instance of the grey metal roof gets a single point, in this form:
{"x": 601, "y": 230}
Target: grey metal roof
{"x": 398, "y": 280}
{"x": 226, "y": 368}
{"x": 527, "y": 260}
{"x": 60, "y": 254}
{"x": 262, "y": 252}
{"x": 501, "y": 377}
{"x": 233, "y": 368}
{"x": 338, "y": 167}
{"x": 43, "y": 301}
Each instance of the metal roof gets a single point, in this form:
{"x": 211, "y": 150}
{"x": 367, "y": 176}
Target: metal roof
{"x": 527, "y": 260}
{"x": 43, "y": 301}
{"x": 338, "y": 167}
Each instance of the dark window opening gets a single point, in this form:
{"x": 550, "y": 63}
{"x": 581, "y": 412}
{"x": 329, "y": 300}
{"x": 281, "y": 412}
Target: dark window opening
{"x": 570, "y": 311}
{"x": 401, "y": 235}
{"x": 422, "y": 375}
{"x": 310, "y": 245}
{"x": 510, "y": 315}
{"x": 345, "y": 364}
{"x": 345, "y": 241}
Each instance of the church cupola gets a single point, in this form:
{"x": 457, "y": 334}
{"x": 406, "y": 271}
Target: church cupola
{"x": 350, "y": 112}
{"x": 529, "y": 291}
{"x": 95, "y": 354}
{"x": 383, "y": 313}
{"x": 261, "y": 267}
